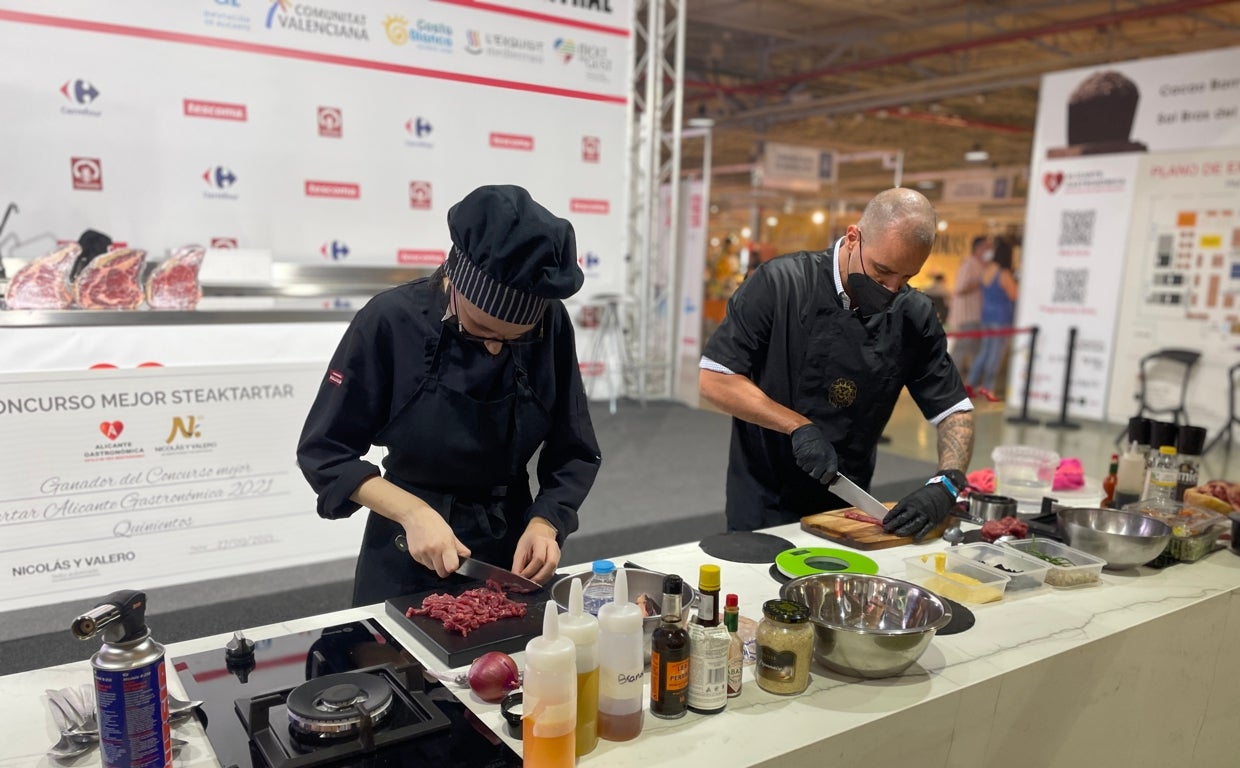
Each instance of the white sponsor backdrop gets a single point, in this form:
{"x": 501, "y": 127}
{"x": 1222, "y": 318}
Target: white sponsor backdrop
{"x": 148, "y": 477}
{"x": 1077, "y": 253}
{"x": 692, "y": 284}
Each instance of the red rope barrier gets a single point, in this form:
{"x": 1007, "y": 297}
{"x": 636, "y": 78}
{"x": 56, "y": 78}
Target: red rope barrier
{"x": 978, "y": 334}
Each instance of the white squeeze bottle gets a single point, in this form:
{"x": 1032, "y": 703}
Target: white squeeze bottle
{"x": 549, "y": 722}
{"x": 622, "y": 666}
{"x": 582, "y": 629}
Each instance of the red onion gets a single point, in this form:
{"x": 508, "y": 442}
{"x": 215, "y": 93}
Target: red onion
{"x": 493, "y": 675}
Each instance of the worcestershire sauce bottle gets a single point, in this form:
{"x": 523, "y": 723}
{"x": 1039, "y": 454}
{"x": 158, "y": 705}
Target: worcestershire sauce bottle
{"x": 669, "y": 657}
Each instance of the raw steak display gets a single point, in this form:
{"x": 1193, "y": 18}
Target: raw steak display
{"x": 111, "y": 281}
{"x": 174, "y": 284}
{"x": 470, "y": 609}
{"x": 1004, "y": 526}
{"x": 44, "y": 282}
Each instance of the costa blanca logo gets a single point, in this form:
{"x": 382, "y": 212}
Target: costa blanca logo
{"x": 219, "y": 177}
{"x": 433, "y": 36}
{"x": 591, "y": 149}
{"x": 316, "y": 20}
{"x": 564, "y": 48}
{"x": 331, "y": 122}
{"x": 225, "y": 15}
{"x": 80, "y": 91}
{"x": 580, "y": 205}
{"x": 214, "y": 110}
{"x": 473, "y": 41}
{"x": 343, "y": 190}
{"x": 334, "y": 250}
{"x": 223, "y": 243}
{"x": 420, "y": 195}
{"x": 87, "y": 173}
{"x": 112, "y": 429}
{"x": 512, "y": 141}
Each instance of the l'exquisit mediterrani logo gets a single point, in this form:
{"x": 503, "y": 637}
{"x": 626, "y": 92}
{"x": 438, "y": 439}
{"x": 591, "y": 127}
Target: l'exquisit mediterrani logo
{"x": 432, "y": 36}
{"x": 473, "y": 41}
{"x": 316, "y": 20}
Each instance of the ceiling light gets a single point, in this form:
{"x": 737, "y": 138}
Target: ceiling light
{"x": 714, "y": 242}
{"x": 926, "y": 184}
{"x": 977, "y": 154}
{"x": 942, "y": 225}
{"x": 771, "y": 221}
{"x": 818, "y": 217}
{"x": 746, "y": 232}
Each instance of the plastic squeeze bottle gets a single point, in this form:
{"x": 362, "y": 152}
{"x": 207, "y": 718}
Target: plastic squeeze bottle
{"x": 582, "y": 629}
{"x": 622, "y": 666}
{"x": 549, "y": 722}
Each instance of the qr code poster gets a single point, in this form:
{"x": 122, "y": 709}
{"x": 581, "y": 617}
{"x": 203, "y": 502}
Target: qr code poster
{"x": 1070, "y": 286}
{"x": 1076, "y": 229}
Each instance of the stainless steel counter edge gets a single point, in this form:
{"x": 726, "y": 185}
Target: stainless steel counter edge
{"x": 20, "y": 318}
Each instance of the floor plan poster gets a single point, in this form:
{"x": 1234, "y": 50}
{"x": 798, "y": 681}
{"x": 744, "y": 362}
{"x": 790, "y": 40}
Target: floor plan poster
{"x": 1182, "y": 281}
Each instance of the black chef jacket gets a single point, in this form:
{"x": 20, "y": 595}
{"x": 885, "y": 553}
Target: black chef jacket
{"x": 403, "y": 380}
{"x": 787, "y": 329}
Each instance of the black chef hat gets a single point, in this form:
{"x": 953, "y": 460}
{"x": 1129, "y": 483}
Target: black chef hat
{"x": 510, "y": 255}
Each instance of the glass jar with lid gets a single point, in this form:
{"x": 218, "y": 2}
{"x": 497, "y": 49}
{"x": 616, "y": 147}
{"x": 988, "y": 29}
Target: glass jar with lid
{"x": 785, "y": 641}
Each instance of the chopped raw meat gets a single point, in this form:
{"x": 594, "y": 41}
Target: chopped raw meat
{"x": 862, "y": 517}
{"x": 174, "y": 284}
{"x": 111, "y": 281}
{"x": 1004, "y": 526}
{"x": 470, "y": 609}
{"x": 649, "y": 605}
{"x": 44, "y": 282}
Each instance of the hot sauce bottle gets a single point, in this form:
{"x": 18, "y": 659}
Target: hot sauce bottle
{"x": 708, "y": 648}
{"x": 669, "y": 657}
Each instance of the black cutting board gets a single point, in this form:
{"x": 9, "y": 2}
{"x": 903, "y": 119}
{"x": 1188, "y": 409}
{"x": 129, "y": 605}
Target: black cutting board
{"x": 507, "y": 635}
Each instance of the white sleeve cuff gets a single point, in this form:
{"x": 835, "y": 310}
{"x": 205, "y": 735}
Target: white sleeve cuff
{"x": 960, "y": 407}
{"x": 711, "y": 365}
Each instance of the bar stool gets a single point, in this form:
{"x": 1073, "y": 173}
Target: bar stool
{"x": 610, "y": 333}
{"x": 1232, "y": 417}
{"x": 1185, "y": 357}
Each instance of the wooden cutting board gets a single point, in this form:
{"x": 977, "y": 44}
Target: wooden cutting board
{"x": 833, "y": 526}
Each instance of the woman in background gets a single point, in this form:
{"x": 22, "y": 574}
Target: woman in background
{"x": 999, "y": 291}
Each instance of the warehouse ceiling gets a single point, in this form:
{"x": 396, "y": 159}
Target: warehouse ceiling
{"x": 934, "y": 78}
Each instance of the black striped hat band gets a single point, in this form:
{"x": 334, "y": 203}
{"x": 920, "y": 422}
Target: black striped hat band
{"x": 492, "y": 297}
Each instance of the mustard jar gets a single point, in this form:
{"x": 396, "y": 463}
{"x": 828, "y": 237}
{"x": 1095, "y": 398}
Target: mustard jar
{"x": 785, "y": 641}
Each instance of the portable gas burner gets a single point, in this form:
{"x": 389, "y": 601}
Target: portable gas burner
{"x": 347, "y": 696}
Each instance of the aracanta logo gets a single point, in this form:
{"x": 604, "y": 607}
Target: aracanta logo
{"x": 183, "y": 429}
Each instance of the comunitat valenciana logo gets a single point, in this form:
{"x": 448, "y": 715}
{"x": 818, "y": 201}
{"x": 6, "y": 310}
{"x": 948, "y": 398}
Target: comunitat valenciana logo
{"x": 423, "y": 35}
{"x": 316, "y": 20}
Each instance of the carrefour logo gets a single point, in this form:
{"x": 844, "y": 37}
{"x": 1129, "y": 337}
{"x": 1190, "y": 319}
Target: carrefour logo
{"x": 80, "y": 91}
{"x": 334, "y": 250}
{"x": 564, "y": 48}
{"x": 219, "y": 177}
{"x": 423, "y": 35}
{"x": 315, "y": 20}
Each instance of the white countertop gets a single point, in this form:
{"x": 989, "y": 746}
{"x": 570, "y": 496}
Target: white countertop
{"x": 1025, "y": 629}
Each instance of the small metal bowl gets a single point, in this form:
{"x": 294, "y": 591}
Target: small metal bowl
{"x": 987, "y": 506}
{"x": 868, "y": 626}
{"x": 1123, "y": 539}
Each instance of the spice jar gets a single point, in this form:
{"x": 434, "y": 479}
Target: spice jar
{"x": 785, "y": 641}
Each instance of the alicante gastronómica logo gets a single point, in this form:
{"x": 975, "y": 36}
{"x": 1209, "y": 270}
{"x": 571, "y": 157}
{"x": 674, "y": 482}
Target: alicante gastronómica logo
{"x": 433, "y": 36}
{"x": 317, "y": 20}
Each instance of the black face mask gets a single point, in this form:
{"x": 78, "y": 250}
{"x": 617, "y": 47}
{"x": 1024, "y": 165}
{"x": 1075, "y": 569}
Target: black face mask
{"x": 868, "y": 296}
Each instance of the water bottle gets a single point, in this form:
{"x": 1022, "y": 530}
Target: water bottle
{"x": 601, "y": 588}
{"x": 1165, "y": 474}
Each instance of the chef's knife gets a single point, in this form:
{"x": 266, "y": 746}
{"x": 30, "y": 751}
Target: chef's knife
{"x": 852, "y": 493}
{"x": 477, "y": 569}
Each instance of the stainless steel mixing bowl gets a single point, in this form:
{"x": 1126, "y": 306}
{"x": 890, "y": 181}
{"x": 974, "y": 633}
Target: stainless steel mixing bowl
{"x": 640, "y": 581}
{"x": 1123, "y": 539}
{"x": 868, "y": 626}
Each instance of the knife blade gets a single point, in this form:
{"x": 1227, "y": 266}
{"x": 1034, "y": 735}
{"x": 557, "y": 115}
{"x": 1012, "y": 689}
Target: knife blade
{"x": 852, "y": 493}
{"x": 478, "y": 569}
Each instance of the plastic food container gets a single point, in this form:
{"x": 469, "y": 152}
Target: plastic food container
{"x": 1084, "y": 568}
{"x": 1193, "y": 529}
{"x": 1024, "y": 572}
{"x": 1024, "y": 472}
{"x": 956, "y": 578}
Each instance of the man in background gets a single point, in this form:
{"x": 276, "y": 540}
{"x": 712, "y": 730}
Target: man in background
{"x": 967, "y": 306}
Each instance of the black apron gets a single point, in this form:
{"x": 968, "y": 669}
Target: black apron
{"x": 848, "y": 385}
{"x": 461, "y": 444}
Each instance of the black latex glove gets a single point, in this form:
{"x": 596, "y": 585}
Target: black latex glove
{"x": 918, "y": 513}
{"x": 814, "y": 454}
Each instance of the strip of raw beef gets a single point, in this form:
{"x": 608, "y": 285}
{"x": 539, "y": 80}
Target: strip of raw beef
{"x": 111, "y": 281}
{"x": 44, "y": 282}
{"x": 174, "y": 284}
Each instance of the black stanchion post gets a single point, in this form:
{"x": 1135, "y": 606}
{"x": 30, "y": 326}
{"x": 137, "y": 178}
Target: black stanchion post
{"x": 1023, "y": 418}
{"x": 1063, "y": 422}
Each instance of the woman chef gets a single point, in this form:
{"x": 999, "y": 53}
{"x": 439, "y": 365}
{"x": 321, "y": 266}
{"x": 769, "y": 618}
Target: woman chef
{"x": 462, "y": 376}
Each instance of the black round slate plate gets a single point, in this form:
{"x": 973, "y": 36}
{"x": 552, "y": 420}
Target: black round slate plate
{"x": 745, "y": 546}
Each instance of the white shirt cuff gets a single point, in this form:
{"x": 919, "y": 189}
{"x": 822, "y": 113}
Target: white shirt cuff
{"x": 711, "y": 365}
{"x": 960, "y": 407}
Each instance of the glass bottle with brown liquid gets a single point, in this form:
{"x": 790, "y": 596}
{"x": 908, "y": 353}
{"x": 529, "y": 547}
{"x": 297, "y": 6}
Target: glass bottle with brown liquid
{"x": 669, "y": 656}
